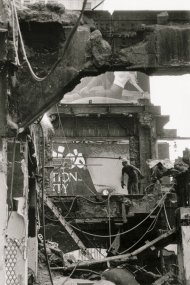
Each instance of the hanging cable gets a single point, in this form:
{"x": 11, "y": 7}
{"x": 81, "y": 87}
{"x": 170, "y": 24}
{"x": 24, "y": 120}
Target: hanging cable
{"x": 150, "y": 228}
{"x": 64, "y": 205}
{"x": 85, "y": 236}
{"x": 147, "y": 187}
{"x": 166, "y": 216}
{"x": 70, "y": 207}
{"x": 67, "y": 44}
{"x": 82, "y": 197}
{"x": 43, "y": 207}
{"x": 127, "y": 231}
{"x": 14, "y": 33}
{"x": 101, "y": 2}
{"x": 56, "y": 220}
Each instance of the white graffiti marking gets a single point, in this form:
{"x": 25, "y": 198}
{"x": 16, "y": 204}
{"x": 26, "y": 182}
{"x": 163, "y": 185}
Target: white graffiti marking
{"x": 76, "y": 158}
{"x": 62, "y": 178}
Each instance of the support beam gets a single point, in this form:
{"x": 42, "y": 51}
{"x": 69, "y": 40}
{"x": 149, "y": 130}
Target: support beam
{"x": 123, "y": 257}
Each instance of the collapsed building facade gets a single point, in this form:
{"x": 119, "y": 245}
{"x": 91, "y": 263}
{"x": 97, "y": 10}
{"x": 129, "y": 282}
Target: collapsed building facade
{"x": 92, "y": 136}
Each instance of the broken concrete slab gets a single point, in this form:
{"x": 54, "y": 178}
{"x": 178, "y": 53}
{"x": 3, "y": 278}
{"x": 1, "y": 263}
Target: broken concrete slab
{"x": 129, "y": 41}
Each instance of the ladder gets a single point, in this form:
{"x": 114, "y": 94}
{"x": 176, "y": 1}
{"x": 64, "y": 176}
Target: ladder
{"x": 66, "y": 225}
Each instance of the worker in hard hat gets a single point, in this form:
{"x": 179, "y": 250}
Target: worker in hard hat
{"x": 133, "y": 176}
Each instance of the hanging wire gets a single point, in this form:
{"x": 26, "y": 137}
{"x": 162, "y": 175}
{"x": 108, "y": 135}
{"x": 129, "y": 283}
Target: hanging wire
{"x": 69, "y": 211}
{"x": 166, "y": 216}
{"x": 147, "y": 187}
{"x": 127, "y": 231}
{"x": 150, "y": 228}
{"x": 94, "y": 246}
{"x": 77, "y": 196}
{"x": 67, "y": 44}
{"x": 101, "y": 2}
{"x": 89, "y": 240}
{"x": 14, "y": 33}
{"x": 51, "y": 219}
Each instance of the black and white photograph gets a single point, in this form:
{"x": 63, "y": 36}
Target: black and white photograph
{"x": 95, "y": 142}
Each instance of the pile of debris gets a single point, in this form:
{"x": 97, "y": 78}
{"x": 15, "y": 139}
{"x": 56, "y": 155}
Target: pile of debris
{"x": 120, "y": 275}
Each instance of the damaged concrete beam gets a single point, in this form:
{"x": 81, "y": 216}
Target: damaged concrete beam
{"x": 139, "y": 41}
{"x": 124, "y": 41}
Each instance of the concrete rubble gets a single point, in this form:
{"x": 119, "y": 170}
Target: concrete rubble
{"x": 61, "y": 52}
